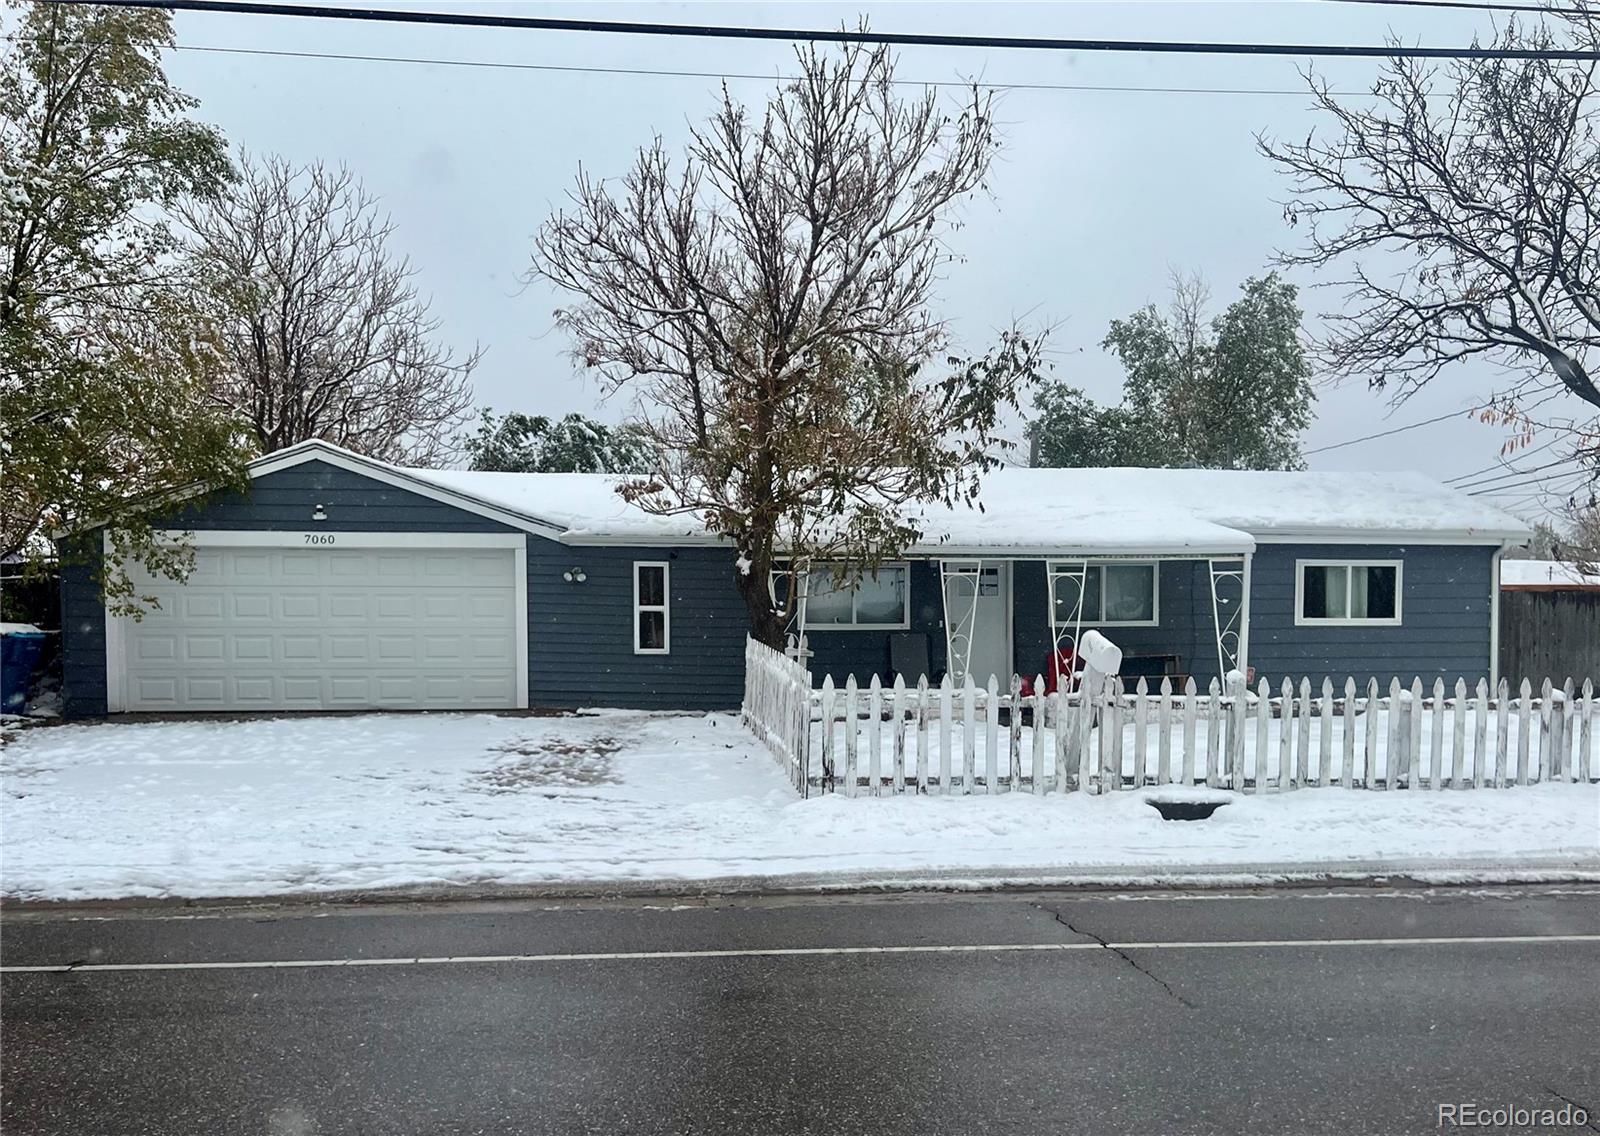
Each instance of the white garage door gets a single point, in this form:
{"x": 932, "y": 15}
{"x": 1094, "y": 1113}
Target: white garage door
{"x": 329, "y": 628}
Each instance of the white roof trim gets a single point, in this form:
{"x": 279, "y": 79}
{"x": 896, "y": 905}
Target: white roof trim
{"x": 319, "y": 450}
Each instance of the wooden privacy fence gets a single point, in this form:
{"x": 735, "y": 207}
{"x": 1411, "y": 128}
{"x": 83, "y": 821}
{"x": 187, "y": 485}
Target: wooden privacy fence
{"x": 944, "y": 739}
{"x": 778, "y": 708}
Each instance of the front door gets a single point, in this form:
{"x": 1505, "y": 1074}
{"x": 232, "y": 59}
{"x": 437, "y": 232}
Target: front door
{"x": 977, "y": 605}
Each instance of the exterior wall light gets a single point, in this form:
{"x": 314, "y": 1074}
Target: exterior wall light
{"x": 318, "y": 513}
{"x": 574, "y": 576}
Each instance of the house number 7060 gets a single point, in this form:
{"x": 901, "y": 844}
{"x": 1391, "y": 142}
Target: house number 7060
{"x": 319, "y": 538}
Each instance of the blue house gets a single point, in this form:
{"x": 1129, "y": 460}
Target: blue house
{"x": 339, "y": 583}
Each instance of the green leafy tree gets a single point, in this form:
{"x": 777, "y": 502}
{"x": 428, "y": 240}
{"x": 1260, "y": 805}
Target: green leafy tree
{"x": 533, "y": 443}
{"x": 1234, "y": 393}
{"x": 104, "y": 366}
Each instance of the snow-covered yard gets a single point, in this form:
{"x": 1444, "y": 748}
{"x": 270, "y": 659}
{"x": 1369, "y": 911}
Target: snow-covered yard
{"x": 209, "y": 808}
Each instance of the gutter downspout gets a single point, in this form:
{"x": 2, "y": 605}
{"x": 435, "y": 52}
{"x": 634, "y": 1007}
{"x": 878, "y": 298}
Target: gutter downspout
{"x": 1494, "y": 617}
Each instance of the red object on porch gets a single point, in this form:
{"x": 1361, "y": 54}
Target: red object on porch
{"x": 1063, "y": 664}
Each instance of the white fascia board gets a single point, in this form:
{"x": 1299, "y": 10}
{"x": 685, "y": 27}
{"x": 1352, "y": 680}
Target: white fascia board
{"x": 313, "y": 536}
{"x": 1478, "y": 537}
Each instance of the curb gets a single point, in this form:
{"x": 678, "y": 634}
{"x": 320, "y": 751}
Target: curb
{"x": 1396, "y": 875}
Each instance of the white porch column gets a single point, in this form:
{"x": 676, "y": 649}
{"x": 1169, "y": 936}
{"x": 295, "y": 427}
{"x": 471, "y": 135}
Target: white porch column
{"x": 1244, "y": 620}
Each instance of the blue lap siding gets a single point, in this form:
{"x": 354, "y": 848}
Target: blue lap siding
{"x": 1444, "y": 633}
{"x": 580, "y": 634}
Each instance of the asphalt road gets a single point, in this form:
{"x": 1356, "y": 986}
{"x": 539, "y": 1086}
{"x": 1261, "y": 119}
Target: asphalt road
{"x": 752, "y": 1016}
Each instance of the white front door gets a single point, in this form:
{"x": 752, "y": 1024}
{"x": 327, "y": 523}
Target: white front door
{"x": 977, "y": 606}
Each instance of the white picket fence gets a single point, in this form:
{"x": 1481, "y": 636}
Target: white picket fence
{"x": 778, "y": 709}
{"x": 885, "y": 740}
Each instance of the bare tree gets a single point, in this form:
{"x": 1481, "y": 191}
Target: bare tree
{"x": 1484, "y": 177}
{"x": 325, "y": 333}
{"x": 770, "y": 302}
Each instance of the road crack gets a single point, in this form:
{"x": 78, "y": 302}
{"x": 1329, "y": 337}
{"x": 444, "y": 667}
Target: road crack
{"x": 1119, "y": 952}
{"x": 1589, "y": 1123}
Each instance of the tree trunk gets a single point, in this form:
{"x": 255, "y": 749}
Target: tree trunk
{"x": 766, "y": 625}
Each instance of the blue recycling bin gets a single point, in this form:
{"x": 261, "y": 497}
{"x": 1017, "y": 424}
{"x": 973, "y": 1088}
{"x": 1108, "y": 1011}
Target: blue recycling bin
{"x": 21, "y": 647}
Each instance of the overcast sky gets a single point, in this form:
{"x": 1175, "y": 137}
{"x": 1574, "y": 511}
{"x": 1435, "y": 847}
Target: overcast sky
{"x": 1098, "y": 193}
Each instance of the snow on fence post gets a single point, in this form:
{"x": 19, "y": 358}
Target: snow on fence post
{"x": 1039, "y": 711}
{"x": 1569, "y": 706}
{"x": 1586, "y": 733}
{"x": 1186, "y": 755}
{"x": 897, "y": 707}
{"x": 1214, "y": 754}
{"x": 825, "y": 712}
{"x": 1164, "y": 729}
{"x": 1369, "y": 772}
{"x": 1325, "y": 734}
{"x": 1524, "y": 728}
{"x": 875, "y": 737}
{"x": 1239, "y": 708}
{"x": 946, "y": 709}
{"x": 1302, "y": 757}
{"x": 1414, "y": 736}
{"x": 777, "y": 709}
{"x": 1480, "y": 735}
{"x": 1397, "y": 733}
{"x": 1458, "y": 735}
{"x": 1502, "y": 733}
{"x": 991, "y": 735}
{"x": 1436, "y": 741}
{"x": 1286, "y": 735}
{"x": 1014, "y": 736}
{"x": 1348, "y": 756}
{"x": 969, "y": 736}
{"x": 1544, "y": 759}
{"x": 1141, "y": 694}
{"x": 924, "y": 765}
{"x": 1111, "y": 776}
{"x": 852, "y": 731}
{"x": 1060, "y": 715}
{"x": 1263, "y": 735}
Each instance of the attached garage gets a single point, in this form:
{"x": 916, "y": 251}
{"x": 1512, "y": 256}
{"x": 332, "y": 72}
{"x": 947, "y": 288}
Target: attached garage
{"x": 329, "y": 621}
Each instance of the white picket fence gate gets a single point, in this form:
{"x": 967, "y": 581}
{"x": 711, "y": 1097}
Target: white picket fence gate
{"x": 884, "y": 740}
{"x": 778, "y": 707}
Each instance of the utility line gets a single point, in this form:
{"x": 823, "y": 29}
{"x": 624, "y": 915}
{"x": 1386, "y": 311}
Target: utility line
{"x": 1500, "y": 463}
{"x": 1510, "y": 474}
{"x": 1471, "y": 6}
{"x": 1574, "y": 480}
{"x": 818, "y": 35}
{"x": 774, "y": 77}
{"x": 1384, "y": 433}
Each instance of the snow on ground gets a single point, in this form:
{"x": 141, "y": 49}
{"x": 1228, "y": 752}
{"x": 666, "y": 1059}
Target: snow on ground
{"x": 208, "y": 808}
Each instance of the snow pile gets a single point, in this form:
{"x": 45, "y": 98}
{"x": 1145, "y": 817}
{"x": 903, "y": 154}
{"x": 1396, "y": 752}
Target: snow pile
{"x": 317, "y": 804}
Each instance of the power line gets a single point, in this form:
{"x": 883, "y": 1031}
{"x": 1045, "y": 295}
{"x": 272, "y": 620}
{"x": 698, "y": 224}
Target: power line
{"x": 1500, "y": 463}
{"x": 668, "y": 73}
{"x": 1511, "y": 473}
{"x": 1383, "y": 433}
{"x": 1471, "y": 6}
{"x": 800, "y": 35}
{"x": 1573, "y": 480}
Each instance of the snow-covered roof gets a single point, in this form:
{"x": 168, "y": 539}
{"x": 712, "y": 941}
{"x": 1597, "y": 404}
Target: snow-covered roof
{"x": 1066, "y": 511}
{"x": 1546, "y": 574}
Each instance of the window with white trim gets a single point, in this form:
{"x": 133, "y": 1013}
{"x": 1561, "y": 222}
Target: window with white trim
{"x": 877, "y": 601}
{"x": 652, "y": 621}
{"x": 1348, "y": 592}
{"x": 1115, "y": 594}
